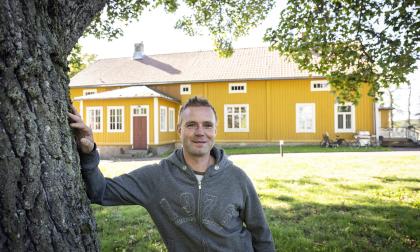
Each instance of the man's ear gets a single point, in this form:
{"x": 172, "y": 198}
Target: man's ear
{"x": 178, "y": 128}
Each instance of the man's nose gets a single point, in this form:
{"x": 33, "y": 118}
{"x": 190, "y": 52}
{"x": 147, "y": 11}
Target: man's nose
{"x": 199, "y": 130}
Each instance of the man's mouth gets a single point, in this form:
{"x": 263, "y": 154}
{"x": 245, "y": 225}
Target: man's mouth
{"x": 199, "y": 142}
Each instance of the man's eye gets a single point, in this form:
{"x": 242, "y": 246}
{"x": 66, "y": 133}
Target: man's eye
{"x": 208, "y": 126}
{"x": 190, "y": 125}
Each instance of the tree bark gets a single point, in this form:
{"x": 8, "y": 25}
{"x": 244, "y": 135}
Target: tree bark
{"x": 43, "y": 205}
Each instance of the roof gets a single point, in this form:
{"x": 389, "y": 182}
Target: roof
{"x": 385, "y": 108}
{"x": 129, "y": 92}
{"x": 245, "y": 64}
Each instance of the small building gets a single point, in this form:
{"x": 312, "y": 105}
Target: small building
{"x": 259, "y": 96}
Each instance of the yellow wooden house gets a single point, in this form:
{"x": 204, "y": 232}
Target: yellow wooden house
{"x": 259, "y": 96}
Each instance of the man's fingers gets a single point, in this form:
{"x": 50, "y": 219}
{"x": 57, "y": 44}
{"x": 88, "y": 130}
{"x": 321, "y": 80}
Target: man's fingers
{"x": 79, "y": 125}
{"x": 73, "y": 117}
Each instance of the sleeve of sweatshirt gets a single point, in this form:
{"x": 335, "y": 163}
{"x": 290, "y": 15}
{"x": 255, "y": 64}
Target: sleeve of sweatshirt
{"x": 127, "y": 189}
{"x": 253, "y": 216}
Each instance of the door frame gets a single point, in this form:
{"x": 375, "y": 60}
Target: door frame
{"x": 132, "y": 107}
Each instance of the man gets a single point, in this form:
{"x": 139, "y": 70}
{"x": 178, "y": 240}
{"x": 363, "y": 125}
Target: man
{"x": 198, "y": 199}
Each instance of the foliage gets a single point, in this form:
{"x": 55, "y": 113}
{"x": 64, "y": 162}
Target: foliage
{"x": 225, "y": 20}
{"x": 78, "y": 61}
{"x": 350, "y": 202}
{"x": 351, "y": 42}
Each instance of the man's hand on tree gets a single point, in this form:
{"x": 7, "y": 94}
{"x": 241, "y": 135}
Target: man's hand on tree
{"x": 84, "y": 135}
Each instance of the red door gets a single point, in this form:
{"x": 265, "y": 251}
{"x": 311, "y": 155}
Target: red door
{"x": 140, "y": 132}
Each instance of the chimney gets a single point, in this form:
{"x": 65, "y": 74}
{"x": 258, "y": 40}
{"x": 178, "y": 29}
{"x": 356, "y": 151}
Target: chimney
{"x": 138, "y": 51}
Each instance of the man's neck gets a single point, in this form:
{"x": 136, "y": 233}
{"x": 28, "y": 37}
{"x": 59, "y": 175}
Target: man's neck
{"x": 199, "y": 164}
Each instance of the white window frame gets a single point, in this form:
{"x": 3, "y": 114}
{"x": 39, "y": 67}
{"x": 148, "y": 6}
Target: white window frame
{"x": 353, "y": 118}
{"x": 171, "y": 119}
{"x": 109, "y": 108}
{"x": 226, "y": 117}
{"x": 326, "y": 85}
{"x": 181, "y": 89}
{"x": 90, "y": 91}
{"x": 232, "y": 85}
{"x": 313, "y": 126}
{"x": 101, "y": 123}
{"x": 163, "y": 125}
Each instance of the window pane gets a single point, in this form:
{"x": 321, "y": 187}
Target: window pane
{"x": 344, "y": 109}
{"x": 236, "y": 109}
{"x": 243, "y": 109}
{"x": 309, "y": 124}
{"x": 348, "y": 121}
{"x": 229, "y": 120}
{"x": 340, "y": 121}
{"x": 243, "y": 121}
{"x": 236, "y": 122}
{"x": 229, "y": 109}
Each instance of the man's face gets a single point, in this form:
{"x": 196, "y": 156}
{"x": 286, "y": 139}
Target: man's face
{"x": 197, "y": 130}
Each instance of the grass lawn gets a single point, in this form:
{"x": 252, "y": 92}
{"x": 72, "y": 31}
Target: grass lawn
{"x": 313, "y": 202}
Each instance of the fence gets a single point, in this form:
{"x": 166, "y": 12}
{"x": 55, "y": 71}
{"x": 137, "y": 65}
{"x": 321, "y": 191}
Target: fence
{"x": 409, "y": 133}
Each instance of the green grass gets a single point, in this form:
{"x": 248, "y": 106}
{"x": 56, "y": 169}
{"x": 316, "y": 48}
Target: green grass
{"x": 350, "y": 202}
{"x": 299, "y": 149}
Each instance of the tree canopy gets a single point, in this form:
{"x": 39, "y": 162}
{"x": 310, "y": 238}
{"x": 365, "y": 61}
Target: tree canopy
{"x": 225, "y": 20}
{"x": 351, "y": 42}
{"x": 78, "y": 61}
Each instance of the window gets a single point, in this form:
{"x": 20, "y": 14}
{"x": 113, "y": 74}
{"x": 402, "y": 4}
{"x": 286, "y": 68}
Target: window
{"x": 171, "y": 119}
{"x": 163, "y": 119}
{"x": 320, "y": 85}
{"x": 305, "y": 118}
{"x": 237, "y": 88}
{"x": 94, "y": 118}
{"x": 185, "y": 89}
{"x": 237, "y": 118}
{"x": 140, "y": 111}
{"x": 116, "y": 119}
{"x": 89, "y": 92}
{"x": 344, "y": 118}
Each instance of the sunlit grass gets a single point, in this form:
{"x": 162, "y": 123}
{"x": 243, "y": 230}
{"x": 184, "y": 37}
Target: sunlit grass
{"x": 313, "y": 202}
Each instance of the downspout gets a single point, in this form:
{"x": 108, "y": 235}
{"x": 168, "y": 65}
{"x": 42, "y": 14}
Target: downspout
{"x": 377, "y": 121}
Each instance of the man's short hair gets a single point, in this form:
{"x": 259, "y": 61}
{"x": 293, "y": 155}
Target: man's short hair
{"x": 196, "y": 102}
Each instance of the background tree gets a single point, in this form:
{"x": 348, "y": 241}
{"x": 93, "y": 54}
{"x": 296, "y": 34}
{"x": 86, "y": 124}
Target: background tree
{"x": 43, "y": 206}
{"x": 351, "y": 42}
{"x": 78, "y": 61}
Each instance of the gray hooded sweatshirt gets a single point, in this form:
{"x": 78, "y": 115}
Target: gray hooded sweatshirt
{"x": 222, "y": 213}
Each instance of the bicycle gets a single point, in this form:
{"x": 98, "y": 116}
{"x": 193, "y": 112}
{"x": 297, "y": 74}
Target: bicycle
{"x": 327, "y": 142}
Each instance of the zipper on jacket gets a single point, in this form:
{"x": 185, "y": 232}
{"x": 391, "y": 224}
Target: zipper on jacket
{"x": 203, "y": 242}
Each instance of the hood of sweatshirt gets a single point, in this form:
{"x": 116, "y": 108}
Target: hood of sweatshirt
{"x": 221, "y": 161}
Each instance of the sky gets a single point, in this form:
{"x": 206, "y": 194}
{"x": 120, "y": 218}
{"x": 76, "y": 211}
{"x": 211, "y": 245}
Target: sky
{"x": 156, "y": 30}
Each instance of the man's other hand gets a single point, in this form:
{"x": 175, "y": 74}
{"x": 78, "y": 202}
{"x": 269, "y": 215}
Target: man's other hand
{"x": 84, "y": 135}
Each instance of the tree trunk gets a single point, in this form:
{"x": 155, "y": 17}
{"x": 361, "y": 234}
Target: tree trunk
{"x": 391, "y": 104}
{"x": 409, "y": 104}
{"x": 43, "y": 205}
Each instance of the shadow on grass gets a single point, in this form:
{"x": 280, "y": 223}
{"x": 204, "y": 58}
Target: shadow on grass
{"x": 397, "y": 179}
{"x": 310, "y": 226}
{"x": 276, "y": 183}
{"x": 360, "y": 187}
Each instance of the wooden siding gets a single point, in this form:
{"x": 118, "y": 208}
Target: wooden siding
{"x": 168, "y": 136}
{"x": 75, "y": 92}
{"x": 385, "y": 115}
{"x": 171, "y": 90}
{"x": 272, "y": 111}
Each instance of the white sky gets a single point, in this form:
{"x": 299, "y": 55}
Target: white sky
{"x": 156, "y": 30}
